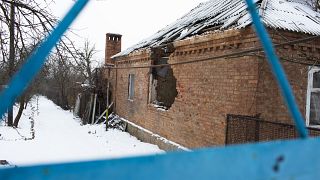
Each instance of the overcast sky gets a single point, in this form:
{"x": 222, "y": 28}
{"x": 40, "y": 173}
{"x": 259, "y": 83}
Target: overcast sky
{"x": 134, "y": 19}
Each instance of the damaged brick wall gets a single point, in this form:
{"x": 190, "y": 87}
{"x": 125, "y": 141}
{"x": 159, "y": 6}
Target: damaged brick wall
{"x": 206, "y": 91}
{"x": 163, "y": 83}
{"x": 166, "y": 89}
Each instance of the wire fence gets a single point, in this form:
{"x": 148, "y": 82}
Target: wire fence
{"x": 248, "y": 129}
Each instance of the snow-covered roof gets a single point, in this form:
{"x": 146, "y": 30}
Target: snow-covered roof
{"x": 219, "y": 15}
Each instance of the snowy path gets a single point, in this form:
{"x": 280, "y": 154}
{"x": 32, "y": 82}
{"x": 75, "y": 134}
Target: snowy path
{"x": 60, "y": 138}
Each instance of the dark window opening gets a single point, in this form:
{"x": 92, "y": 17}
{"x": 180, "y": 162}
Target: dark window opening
{"x": 162, "y": 85}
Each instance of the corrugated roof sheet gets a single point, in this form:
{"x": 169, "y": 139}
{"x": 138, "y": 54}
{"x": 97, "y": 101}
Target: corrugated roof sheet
{"x": 221, "y": 15}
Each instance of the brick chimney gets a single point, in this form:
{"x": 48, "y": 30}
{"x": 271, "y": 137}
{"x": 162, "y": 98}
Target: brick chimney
{"x": 113, "y": 46}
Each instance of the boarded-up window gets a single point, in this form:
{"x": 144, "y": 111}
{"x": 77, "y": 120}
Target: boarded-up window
{"x": 313, "y": 97}
{"x": 131, "y": 86}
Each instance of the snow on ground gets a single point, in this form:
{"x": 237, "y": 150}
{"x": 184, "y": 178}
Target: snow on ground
{"x": 59, "y": 137}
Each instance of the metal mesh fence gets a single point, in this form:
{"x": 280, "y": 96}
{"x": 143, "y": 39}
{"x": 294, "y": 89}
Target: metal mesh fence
{"x": 247, "y": 129}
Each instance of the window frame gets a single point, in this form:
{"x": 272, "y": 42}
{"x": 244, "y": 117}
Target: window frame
{"x": 131, "y": 79}
{"x": 310, "y": 90}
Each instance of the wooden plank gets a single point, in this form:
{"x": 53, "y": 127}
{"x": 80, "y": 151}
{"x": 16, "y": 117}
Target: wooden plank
{"x": 297, "y": 159}
{"x": 93, "y": 116}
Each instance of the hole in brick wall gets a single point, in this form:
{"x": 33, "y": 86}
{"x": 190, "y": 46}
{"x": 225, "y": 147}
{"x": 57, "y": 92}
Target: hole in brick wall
{"x": 163, "y": 88}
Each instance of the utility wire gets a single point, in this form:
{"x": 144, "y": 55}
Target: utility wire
{"x": 240, "y": 53}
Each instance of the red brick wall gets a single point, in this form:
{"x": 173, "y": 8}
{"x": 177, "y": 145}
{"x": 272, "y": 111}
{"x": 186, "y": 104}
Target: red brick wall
{"x": 207, "y": 91}
{"x": 269, "y": 100}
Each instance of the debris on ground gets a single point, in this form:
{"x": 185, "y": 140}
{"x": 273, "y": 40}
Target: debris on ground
{"x": 115, "y": 122}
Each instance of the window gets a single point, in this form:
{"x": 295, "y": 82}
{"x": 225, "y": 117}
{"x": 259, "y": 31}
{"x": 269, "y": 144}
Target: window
{"x": 313, "y": 97}
{"x": 131, "y": 87}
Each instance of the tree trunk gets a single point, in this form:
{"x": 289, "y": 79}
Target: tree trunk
{"x": 10, "y": 116}
{"x": 88, "y": 69}
{"x": 11, "y": 58}
{"x": 21, "y": 108}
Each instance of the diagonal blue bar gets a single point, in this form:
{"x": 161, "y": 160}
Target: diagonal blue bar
{"x": 277, "y": 70}
{"x": 34, "y": 63}
{"x": 298, "y": 159}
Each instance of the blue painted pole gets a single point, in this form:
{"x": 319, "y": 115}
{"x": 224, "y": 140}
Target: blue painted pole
{"x": 34, "y": 63}
{"x": 277, "y": 70}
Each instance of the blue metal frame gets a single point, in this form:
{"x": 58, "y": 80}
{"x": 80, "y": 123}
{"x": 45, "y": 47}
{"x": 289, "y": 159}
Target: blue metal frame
{"x": 274, "y": 160}
{"x": 297, "y": 159}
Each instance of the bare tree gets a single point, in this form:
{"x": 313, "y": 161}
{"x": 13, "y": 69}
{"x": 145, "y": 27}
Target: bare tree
{"x": 67, "y": 73}
{"x": 60, "y": 83}
{"x": 23, "y": 23}
{"x": 84, "y": 60}
{"x": 11, "y": 55}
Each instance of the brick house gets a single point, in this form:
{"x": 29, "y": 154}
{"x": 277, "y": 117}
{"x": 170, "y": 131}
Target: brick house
{"x": 189, "y": 103}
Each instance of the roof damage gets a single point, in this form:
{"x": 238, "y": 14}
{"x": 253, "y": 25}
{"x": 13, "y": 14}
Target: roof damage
{"x": 219, "y": 15}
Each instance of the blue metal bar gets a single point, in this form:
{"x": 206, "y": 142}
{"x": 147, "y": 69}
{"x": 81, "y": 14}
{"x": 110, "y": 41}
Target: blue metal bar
{"x": 297, "y": 159}
{"x": 34, "y": 63}
{"x": 277, "y": 70}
